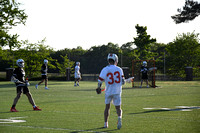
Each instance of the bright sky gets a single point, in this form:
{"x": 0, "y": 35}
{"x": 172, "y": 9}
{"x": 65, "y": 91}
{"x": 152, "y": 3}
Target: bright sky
{"x": 86, "y": 23}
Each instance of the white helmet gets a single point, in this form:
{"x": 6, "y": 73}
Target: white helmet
{"x": 77, "y": 63}
{"x": 144, "y": 63}
{"x": 113, "y": 57}
{"x": 45, "y": 61}
{"x": 20, "y": 63}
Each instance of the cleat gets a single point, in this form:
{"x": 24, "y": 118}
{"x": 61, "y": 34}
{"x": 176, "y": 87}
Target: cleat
{"x": 37, "y": 109}
{"x": 36, "y": 86}
{"x": 119, "y": 123}
{"x": 105, "y": 125}
{"x": 46, "y": 88}
{"x": 13, "y": 109}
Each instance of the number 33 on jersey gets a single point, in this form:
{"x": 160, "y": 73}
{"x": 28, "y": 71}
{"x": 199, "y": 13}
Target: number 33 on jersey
{"x": 112, "y": 75}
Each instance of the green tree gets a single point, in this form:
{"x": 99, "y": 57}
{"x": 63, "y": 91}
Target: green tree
{"x": 189, "y": 12}
{"x": 65, "y": 64}
{"x": 34, "y": 54}
{"x": 143, "y": 41}
{"x": 10, "y": 15}
{"x": 182, "y": 52}
{"x": 96, "y": 57}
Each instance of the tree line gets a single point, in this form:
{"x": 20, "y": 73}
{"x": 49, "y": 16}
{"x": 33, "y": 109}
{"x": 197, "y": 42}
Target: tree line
{"x": 173, "y": 57}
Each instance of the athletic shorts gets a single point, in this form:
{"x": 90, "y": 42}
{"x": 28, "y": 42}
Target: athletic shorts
{"x": 23, "y": 89}
{"x": 77, "y": 76}
{"x": 115, "y": 99}
{"x": 144, "y": 76}
{"x": 44, "y": 77}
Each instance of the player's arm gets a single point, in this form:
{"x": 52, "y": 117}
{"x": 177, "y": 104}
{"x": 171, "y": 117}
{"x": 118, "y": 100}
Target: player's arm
{"x": 100, "y": 81}
{"x": 129, "y": 80}
{"x": 15, "y": 80}
{"x": 123, "y": 80}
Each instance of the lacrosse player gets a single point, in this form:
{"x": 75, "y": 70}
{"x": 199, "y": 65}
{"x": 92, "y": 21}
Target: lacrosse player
{"x": 114, "y": 79}
{"x": 144, "y": 70}
{"x": 77, "y": 74}
{"x": 21, "y": 86}
{"x": 44, "y": 70}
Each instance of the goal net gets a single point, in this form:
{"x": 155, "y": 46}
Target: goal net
{"x": 136, "y": 66}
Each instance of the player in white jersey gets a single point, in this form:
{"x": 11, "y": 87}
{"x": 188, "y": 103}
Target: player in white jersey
{"x": 77, "y": 74}
{"x": 114, "y": 79}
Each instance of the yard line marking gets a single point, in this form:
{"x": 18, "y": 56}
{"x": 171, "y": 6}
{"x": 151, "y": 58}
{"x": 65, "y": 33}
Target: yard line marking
{"x": 178, "y": 108}
{"x": 60, "y": 129}
{"x": 12, "y": 120}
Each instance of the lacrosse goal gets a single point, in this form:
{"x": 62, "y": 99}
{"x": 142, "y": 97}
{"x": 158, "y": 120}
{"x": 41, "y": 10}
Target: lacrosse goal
{"x": 136, "y": 66}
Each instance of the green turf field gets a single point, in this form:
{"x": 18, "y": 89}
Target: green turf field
{"x": 174, "y": 107}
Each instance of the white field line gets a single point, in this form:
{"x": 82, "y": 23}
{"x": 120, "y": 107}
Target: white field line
{"x": 59, "y": 129}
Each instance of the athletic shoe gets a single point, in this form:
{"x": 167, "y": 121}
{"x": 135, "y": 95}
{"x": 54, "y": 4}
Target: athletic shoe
{"x": 36, "y": 86}
{"x": 36, "y": 109}
{"x": 105, "y": 125}
{"x": 46, "y": 88}
{"x": 13, "y": 109}
{"x": 119, "y": 123}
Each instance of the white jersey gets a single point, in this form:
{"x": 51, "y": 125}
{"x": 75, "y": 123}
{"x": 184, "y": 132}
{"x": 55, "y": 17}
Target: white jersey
{"x": 77, "y": 73}
{"x": 77, "y": 69}
{"x": 112, "y": 75}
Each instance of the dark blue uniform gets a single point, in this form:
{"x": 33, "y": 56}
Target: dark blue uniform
{"x": 19, "y": 74}
{"x": 44, "y": 70}
{"x": 144, "y": 71}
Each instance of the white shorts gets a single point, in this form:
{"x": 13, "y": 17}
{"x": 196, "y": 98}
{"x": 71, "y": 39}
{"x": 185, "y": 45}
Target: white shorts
{"x": 77, "y": 76}
{"x": 115, "y": 99}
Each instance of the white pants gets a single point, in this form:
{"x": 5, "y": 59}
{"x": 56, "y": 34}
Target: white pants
{"x": 115, "y": 99}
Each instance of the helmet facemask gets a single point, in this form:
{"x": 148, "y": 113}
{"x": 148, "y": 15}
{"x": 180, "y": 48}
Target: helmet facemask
{"x": 20, "y": 63}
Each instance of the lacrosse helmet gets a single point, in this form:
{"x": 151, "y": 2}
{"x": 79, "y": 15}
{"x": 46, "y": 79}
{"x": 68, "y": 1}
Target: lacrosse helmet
{"x": 45, "y": 61}
{"x": 77, "y": 63}
{"x": 20, "y": 63}
{"x": 113, "y": 57}
{"x": 144, "y": 63}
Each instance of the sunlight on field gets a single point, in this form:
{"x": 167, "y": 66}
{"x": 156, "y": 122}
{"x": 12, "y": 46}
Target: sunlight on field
{"x": 172, "y": 107}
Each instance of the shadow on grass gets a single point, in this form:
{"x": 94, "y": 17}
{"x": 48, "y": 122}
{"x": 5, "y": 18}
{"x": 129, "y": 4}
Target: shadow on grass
{"x": 92, "y": 130}
{"x": 168, "y": 109}
{"x": 17, "y": 112}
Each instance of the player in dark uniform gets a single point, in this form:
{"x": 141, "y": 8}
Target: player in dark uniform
{"x": 144, "y": 70}
{"x": 22, "y": 86}
{"x": 44, "y": 70}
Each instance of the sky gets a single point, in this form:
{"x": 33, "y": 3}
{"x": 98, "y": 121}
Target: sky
{"x": 87, "y": 23}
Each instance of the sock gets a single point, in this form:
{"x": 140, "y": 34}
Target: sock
{"x": 34, "y": 106}
{"x": 13, "y": 106}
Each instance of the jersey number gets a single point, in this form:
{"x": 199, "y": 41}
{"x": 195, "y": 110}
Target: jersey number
{"x": 111, "y": 77}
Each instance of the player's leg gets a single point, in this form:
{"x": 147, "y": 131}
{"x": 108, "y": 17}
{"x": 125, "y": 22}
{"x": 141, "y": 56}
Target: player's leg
{"x": 32, "y": 102}
{"x": 46, "y": 83}
{"x": 78, "y": 79}
{"x": 19, "y": 93}
{"x": 117, "y": 103}
{"x": 108, "y": 99}
{"x": 141, "y": 83}
{"x": 36, "y": 86}
{"x": 147, "y": 83}
{"x": 119, "y": 114}
{"x": 106, "y": 115}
